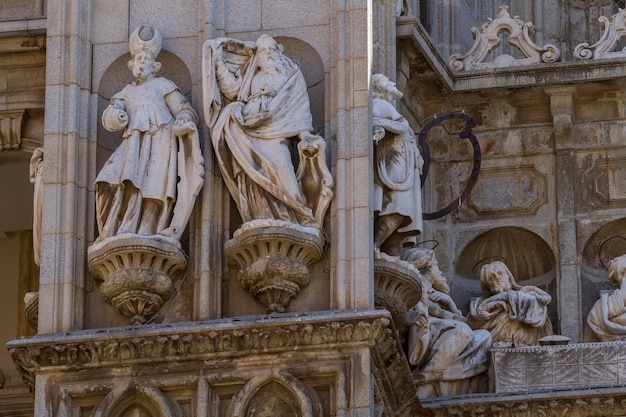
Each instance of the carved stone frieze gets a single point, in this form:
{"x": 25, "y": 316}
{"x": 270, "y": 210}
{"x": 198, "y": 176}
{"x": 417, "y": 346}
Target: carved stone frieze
{"x": 608, "y": 45}
{"x": 211, "y": 340}
{"x": 273, "y": 260}
{"x": 138, "y": 274}
{"x": 582, "y": 403}
{"x": 488, "y": 40}
{"x": 508, "y": 191}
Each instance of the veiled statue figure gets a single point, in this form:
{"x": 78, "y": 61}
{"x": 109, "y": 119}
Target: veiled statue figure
{"x": 256, "y": 102}
{"x": 513, "y": 314}
{"x": 607, "y": 318}
{"x": 398, "y": 164}
{"x": 451, "y": 358}
{"x": 149, "y": 184}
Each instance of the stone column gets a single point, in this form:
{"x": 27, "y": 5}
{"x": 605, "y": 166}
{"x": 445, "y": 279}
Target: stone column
{"x": 352, "y": 282}
{"x": 210, "y": 224}
{"x": 66, "y": 167}
{"x": 562, "y": 108}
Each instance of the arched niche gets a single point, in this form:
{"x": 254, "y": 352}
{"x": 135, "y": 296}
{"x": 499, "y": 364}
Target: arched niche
{"x": 113, "y": 80}
{"x": 529, "y": 258}
{"x": 608, "y": 242}
{"x": 137, "y": 399}
{"x": 275, "y": 393}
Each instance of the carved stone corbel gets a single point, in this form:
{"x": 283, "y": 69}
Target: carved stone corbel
{"x": 274, "y": 260}
{"x": 138, "y": 274}
{"x": 11, "y": 129}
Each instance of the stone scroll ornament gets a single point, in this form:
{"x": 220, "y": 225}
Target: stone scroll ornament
{"x": 255, "y": 104}
{"x": 146, "y": 190}
{"x": 488, "y": 40}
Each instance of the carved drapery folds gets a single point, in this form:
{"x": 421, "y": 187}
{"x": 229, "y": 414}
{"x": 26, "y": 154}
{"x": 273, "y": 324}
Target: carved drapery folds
{"x": 607, "y": 46}
{"x": 488, "y": 40}
{"x": 256, "y": 103}
{"x": 607, "y": 318}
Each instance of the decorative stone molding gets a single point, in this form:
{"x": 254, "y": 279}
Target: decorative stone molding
{"x": 138, "y": 273}
{"x": 606, "y": 47}
{"x": 273, "y": 259}
{"x": 278, "y": 391}
{"x": 211, "y": 343}
{"x": 11, "y": 129}
{"x": 605, "y": 178}
{"x": 519, "y": 36}
{"x": 570, "y": 403}
{"x": 137, "y": 395}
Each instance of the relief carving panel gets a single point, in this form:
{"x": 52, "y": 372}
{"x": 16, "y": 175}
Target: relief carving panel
{"x": 606, "y": 178}
{"x": 508, "y": 191}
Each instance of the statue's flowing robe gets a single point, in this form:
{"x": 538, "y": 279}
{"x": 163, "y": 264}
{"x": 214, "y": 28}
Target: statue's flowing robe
{"x": 397, "y": 186}
{"x": 255, "y": 160}
{"x": 615, "y": 310}
{"x": 151, "y": 159}
{"x": 522, "y": 319}
{"x": 448, "y": 353}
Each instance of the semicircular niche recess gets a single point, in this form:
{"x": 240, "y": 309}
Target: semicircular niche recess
{"x": 529, "y": 258}
{"x": 608, "y": 242}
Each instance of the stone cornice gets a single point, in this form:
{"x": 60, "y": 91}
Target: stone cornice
{"x": 229, "y": 338}
{"x": 29, "y": 26}
{"x": 596, "y": 402}
{"x": 556, "y": 73}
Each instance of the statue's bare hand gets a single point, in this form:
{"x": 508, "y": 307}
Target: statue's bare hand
{"x": 378, "y": 134}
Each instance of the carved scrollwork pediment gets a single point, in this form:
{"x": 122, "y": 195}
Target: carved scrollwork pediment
{"x": 488, "y": 40}
{"x": 606, "y": 47}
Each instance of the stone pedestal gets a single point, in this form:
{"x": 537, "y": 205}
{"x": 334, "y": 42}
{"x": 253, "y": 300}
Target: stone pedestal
{"x": 138, "y": 274}
{"x": 273, "y": 260}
